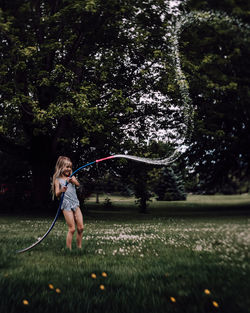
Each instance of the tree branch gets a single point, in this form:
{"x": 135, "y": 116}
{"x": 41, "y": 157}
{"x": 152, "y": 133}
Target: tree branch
{"x": 74, "y": 48}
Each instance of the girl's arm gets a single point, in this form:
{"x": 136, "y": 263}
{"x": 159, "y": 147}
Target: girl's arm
{"x": 58, "y": 190}
{"x": 74, "y": 181}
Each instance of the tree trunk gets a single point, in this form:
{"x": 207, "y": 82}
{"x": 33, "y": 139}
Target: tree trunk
{"x": 97, "y": 197}
{"x": 40, "y": 184}
{"x": 41, "y": 162}
{"x": 143, "y": 205}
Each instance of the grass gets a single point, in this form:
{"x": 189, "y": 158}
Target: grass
{"x": 175, "y": 252}
{"x": 195, "y": 204}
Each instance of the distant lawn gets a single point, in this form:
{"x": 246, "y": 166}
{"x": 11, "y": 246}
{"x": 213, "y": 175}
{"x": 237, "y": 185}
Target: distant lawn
{"x": 181, "y": 257}
{"x": 193, "y": 204}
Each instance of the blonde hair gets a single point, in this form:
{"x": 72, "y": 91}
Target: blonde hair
{"x": 61, "y": 163}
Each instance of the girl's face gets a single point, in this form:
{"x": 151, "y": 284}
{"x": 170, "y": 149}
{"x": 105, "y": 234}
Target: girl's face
{"x": 67, "y": 170}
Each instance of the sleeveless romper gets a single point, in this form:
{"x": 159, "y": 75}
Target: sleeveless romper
{"x": 70, "y": 200}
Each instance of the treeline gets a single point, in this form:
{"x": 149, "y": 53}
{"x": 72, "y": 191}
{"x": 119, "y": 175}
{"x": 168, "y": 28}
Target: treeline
{"x": 117, "y": 176}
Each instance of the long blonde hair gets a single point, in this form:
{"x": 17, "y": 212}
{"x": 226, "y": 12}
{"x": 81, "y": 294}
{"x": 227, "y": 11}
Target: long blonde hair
{"x": 61, "y": 163}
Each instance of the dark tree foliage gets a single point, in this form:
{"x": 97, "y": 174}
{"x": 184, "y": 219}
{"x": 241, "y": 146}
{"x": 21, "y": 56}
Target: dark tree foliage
{"x": 215, "y": 52}
{"x": 239, "y": 8}
{"x": 14, "y": 183}
{"x": 72, "y": 76}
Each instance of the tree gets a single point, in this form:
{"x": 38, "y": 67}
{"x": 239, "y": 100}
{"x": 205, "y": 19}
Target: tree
{"x": 167, "y": 185}
{"x": 215, "y": 51}
{"x": 140, "y": 177}
{"x": 72, "y": 78}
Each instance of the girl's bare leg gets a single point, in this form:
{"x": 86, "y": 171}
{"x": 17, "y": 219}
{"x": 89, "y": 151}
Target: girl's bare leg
{"x": 79, "y": 225}
{"x": 69, "y": 217}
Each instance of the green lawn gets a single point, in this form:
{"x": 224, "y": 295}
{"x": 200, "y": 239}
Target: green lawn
{"x": 177, "y": 251}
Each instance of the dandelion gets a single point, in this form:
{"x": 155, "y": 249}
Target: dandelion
{"x": 173, "y": 299}
{"x": 104, "y": 274}
{"x": 215, "y": 304}
{"x": 51, "y": 286}
{"x": 102, "y": 287}
{"x": 207, "y": 292}
{"x": 25, "y": 302}
{"x": 58, "y": 290}
{"x": 93, "y": 275}
{"x": 198, "y": 248}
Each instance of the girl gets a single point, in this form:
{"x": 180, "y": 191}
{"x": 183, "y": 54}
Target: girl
{"x": 70, "y": 206}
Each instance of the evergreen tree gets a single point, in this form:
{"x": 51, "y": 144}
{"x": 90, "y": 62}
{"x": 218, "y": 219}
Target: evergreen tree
{"x": 168, "y": 186}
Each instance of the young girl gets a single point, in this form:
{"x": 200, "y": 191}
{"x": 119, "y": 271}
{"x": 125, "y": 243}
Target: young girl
{"x": 70, "y": 206}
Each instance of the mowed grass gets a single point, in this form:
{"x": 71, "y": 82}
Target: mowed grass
{"x": 188, "y": 256}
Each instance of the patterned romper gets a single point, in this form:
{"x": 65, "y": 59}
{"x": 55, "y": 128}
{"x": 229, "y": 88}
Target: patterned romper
{"x": 70, "y": 200}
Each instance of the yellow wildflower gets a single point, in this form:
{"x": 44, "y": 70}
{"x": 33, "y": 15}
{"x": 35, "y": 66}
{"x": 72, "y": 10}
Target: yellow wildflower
{"x": 172, "y": 299}
{"x": 102, "y": 287}
{"x": 215, "y": 304}
{"x": 93, "y": 275}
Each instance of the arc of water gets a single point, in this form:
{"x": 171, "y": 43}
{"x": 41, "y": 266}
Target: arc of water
{"x": 163, "y": 162}
{"x": 181, "y": 78}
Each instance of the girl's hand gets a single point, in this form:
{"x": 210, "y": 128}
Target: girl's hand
{"x": 69, "y": 179}
{"x": 64, "y": 188}
{"x": 73, "y": 180}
